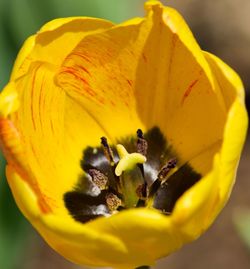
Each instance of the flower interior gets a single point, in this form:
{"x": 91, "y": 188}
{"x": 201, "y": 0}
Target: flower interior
{"x": 140, "y": 171}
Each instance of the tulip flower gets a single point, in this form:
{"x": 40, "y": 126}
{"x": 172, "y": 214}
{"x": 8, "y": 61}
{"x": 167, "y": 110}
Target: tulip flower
{"x": 122, "y": 141}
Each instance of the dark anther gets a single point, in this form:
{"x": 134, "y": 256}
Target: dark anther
{"x": 142, "y": 144}
{"x": 98, "y": 178}
{"x": 107, "y": 150}
{"x": 139, "y": 133}
{"x": 166, "y": 168}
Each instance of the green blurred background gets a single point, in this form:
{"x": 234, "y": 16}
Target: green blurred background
{"x": 221, "y": 27}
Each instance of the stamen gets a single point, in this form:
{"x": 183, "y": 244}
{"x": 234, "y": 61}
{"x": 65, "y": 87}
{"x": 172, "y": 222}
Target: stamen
{"x": 107, "y": 150}
{"x": 165, "y": 169}
{"x": 161, "y": 176}
{"x": 98, "y": 178}
{"x": 141, "y": 191}
{"x": 113, "y": 201}
{"x": 110, "y": 156}
{"x": 142, "y": 144}
{"x": 142, "y": 148}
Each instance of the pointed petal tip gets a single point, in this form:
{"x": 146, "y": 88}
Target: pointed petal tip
{"x": 153, "y": 5}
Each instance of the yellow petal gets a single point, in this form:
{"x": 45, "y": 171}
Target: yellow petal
{"x": 73, "y": 242}
{"x": 228, "y": 80}
{"x": 198, "y": 207}
{"x": 105, "y": 70}
{"x": 236, "y": 125}
{"x": 147, "y": 235}
{"x": 54, "y": 131}
{"x": 99, "y": 74}
{"x": 24, "y": 196}
{"x": 44, "y": 45}
{"x": 179, "y": 94}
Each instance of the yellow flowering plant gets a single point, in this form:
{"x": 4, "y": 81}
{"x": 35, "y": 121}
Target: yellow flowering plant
{"x": 122, "y": 141}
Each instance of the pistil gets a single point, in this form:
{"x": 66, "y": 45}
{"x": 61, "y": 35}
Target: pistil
{"x": 127, "y": 160}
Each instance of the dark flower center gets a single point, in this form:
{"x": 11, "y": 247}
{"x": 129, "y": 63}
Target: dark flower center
{"x": 142, "y": 171}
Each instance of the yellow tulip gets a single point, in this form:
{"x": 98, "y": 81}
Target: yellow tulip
{"x": 131, "y": 199}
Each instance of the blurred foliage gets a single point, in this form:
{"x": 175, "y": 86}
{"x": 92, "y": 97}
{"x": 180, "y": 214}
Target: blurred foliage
{"x": 242, "y": 224}
{"x": 13, "y": 227}
{"x": 18, "y": 20}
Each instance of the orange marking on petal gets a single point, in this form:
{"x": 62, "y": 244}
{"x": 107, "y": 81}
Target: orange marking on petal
{"x": 10, "y": 141}
{"x": 188, "y": 91}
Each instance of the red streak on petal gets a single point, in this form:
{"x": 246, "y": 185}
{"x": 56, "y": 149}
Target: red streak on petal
{"x": 52, "y": 127}
{"x": 86, "y": 87}
{"x": 126, "y": 103}
{"x": 174, "y": 41}
{"x": 84, "y": 57}
{"x": 101, "y": 100}
{"x": 81, "y": 89}
{"x": 83, "y": 69}
{"x": 144, "y": 57}
{"x": 41, "y": 102}
{"x": 73, "y": 72}
{"x": 32, "y": 95}
{"x": 129, "y": 82}
{"x": 90, "y": 92}
{"x": 188, "y": 91}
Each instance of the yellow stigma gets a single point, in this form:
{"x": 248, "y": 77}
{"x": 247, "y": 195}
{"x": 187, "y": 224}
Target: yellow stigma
{"x": 127, "y": 160}
{"x": 8, "y": 100}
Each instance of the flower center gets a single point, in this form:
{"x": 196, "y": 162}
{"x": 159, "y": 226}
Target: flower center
{"x": 140, "y": 171}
